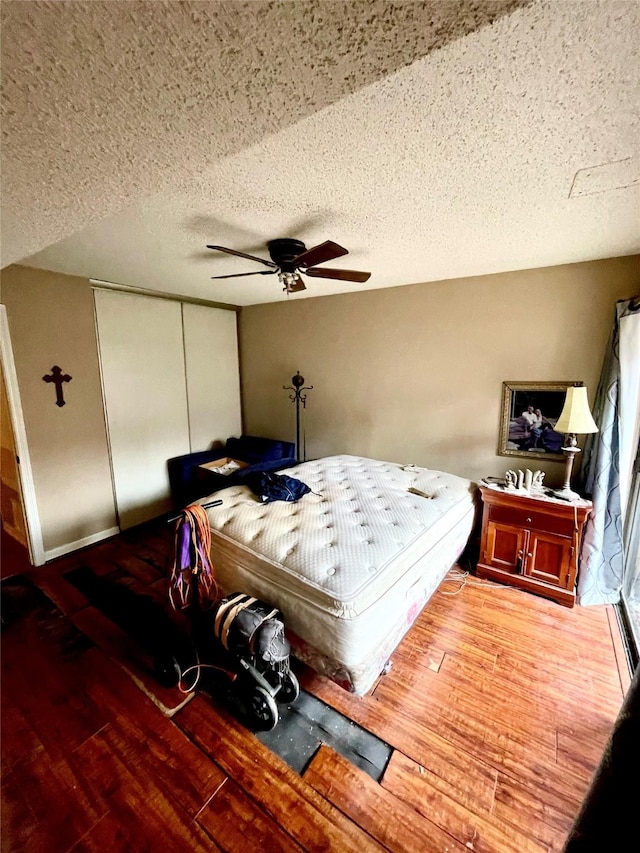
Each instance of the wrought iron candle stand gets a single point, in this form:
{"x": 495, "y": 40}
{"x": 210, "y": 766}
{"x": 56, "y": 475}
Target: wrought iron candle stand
{"x": 299, "y": 399}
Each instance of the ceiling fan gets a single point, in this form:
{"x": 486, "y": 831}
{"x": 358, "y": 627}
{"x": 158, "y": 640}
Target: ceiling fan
{"x": 291, "y": 257}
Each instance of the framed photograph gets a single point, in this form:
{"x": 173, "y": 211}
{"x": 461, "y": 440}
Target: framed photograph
{"x": 530, "y": 411}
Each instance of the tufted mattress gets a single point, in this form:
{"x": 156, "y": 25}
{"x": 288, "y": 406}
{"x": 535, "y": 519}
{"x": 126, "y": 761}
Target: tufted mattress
{"x": 350, "y": 565}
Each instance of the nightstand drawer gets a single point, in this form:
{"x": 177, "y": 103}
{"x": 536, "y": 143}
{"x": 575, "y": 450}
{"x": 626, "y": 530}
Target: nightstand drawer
{"x": 532, "y": 520}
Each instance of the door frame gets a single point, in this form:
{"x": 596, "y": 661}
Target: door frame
{"x": 25, "y": 471}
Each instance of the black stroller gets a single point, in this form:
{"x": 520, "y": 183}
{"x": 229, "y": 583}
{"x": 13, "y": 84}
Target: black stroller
{"x": 238, "y": 647}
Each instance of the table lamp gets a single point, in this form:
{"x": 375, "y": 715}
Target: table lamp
{"x": 574, "y": 419}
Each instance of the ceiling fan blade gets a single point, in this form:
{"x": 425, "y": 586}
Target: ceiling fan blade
{"x": 240, "y": 274}
{"x": 244, "y": 255}
{"x": 341, "y": 275}
{"x": 326, "y": 251}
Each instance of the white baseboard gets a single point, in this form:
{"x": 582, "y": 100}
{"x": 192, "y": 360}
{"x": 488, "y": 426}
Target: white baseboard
{"x": 80, "y": 543}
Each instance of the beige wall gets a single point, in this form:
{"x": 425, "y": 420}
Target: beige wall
{"x": 414, "y": 374}
{"x": 51, "y": 322}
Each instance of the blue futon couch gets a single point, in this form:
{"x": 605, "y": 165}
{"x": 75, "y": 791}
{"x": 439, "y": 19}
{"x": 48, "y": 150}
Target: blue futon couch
{"x": 189, "y": 482}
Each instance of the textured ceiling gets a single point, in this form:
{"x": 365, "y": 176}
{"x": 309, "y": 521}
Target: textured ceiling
{"x": 145, "y": 130}
{"x": 104, "y": 102}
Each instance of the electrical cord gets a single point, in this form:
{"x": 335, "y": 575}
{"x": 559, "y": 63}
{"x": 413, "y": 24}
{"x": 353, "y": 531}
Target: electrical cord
{"x": 199, "y": 667}
{"x": 461, "y": 576}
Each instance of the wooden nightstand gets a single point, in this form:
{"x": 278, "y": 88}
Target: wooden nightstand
{"x": 532, "y": 542}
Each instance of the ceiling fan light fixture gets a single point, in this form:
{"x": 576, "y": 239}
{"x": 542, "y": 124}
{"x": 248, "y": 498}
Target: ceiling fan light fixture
{"x": 290, "y": 281}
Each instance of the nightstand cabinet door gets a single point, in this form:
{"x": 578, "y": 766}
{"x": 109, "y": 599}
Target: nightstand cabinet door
{"x": 505, "y": 547}
{"x": 548, "y": 559}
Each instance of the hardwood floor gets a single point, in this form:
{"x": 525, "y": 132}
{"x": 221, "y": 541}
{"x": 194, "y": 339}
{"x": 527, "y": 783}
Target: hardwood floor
{"x": 498, "y": 706}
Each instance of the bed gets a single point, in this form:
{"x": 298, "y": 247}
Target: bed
{"x": 350, "y": 565}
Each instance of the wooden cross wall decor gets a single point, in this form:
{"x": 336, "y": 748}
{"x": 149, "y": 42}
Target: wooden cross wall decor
{"x": 58, "y": 377}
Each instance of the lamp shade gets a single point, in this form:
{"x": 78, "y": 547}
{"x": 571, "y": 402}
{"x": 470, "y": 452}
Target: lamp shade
{"x": 576, "y": 415}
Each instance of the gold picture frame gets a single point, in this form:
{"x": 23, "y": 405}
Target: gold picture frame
{"x": 537, "y": 440}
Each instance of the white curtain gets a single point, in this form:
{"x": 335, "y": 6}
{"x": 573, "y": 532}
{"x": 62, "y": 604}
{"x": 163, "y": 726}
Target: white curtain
{"x": 609, "y": 457}
{"x": 629, "y": 402}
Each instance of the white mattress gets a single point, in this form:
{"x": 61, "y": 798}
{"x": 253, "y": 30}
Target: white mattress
{"x": 348, "y": 564}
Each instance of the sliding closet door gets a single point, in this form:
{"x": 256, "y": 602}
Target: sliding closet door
{"x": 143, "y": 377}
{"x": 213, "y": 375}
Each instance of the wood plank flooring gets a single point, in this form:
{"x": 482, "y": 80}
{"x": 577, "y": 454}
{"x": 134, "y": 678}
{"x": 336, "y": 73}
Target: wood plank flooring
{"x": 497, "y": 706}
